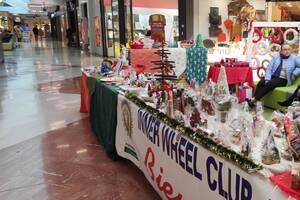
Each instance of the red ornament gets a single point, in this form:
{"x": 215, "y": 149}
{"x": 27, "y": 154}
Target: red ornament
{"x": 259, "y": 33}
{"x": 278, "y": 37}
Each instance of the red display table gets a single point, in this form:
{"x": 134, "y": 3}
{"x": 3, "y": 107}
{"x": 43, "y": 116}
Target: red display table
{"x": 235, "y": 75}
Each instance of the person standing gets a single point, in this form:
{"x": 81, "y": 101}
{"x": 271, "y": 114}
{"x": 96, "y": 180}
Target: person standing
{"x": 282, "y": 70}
{"x": 35, "y": 31}
{"x": 70, "y": 37}
{"x": 19, "y": 33}
{"x": 41, "y": 34}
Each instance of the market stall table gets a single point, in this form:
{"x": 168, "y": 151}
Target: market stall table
{"x": 194, "y": 60}
{"x": 177, "y": 165}
{"x": 103, "y": 116}
{"x": 100, "y": 101}
{"x": 180, "y": 168}
{"x": 235, "y": 75}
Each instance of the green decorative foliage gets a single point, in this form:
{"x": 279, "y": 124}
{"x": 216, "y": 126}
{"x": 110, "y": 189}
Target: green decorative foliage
{"x": 199, "y": 137}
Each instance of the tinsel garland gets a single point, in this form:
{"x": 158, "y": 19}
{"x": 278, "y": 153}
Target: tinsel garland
{"x": 198, "y": 137}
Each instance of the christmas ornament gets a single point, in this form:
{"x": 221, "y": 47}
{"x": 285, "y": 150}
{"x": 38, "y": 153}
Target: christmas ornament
{"x": 195, "y": 118}
{"x": 208, "y": 106}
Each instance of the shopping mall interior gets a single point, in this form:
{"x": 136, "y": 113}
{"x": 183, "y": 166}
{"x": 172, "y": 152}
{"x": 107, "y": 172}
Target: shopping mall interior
{"x": 137, "y": 99}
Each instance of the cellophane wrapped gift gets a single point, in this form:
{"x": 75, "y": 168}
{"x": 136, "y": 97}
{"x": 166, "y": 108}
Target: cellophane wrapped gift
{"x": 278, "y": 119}
{"x": 244, "y": 92}
{"x": 269, "y": 151}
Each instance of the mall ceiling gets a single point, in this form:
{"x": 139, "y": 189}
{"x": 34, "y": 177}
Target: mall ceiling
{"x": 41, "y": 6}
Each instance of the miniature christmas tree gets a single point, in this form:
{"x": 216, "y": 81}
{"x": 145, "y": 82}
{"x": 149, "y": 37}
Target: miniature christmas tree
{"x": 199, "y": 41}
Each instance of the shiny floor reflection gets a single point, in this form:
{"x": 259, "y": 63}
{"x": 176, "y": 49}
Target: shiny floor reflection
{"x": 68, "y": 163}
{"x": 47, "y": 150}
{"x": 32, "y": 101}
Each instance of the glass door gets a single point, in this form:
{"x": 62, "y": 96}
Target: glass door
{"x": 128, "y": 21}
{"x": 115, "y": 27}
{"x": 109, "y": 32}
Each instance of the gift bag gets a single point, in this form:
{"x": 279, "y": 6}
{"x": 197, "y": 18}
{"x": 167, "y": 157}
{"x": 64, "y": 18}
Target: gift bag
{"x": 241, "y": 94}
{"x": 244, "y": 93}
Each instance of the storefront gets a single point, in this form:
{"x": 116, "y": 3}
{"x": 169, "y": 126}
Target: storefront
{"x": 72, "y": 21}
{"x": 6, "y": 21}
{"x": 124, "y": 21}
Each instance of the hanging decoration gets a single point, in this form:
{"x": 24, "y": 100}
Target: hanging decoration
{"x": 261, "y": 71}
{"x": 258, "y": 33}
{"x": 262, "y": 48}
{"x": 277, "y": 36}
{"x": 294, "y": 39}
{"x": 228, "y": 23}
{"x": 266, "y": 32}
{"x": 254, "y": 63}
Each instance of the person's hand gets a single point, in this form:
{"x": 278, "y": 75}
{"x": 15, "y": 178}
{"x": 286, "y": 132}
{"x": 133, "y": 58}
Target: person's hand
{"x": 293, "y": 77}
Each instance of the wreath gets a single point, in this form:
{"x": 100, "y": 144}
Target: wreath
{"x": 295, "y": 36}
{"x": 262, "y": 48}
{"x": 254, "y": 63}
{"x": 261, "y": 71}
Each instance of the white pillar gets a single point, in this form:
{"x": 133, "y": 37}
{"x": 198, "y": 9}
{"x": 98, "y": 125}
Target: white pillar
{"x": 269, "y": 11}
{"x": 196, "y": 17}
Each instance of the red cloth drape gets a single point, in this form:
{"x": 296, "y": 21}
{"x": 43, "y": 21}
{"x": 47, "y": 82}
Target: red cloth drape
{"x": 143, "y": 57}
{"x": 84, "y": 94}
{"x": 235, "y": 75}
{"x": 283, "y": 181}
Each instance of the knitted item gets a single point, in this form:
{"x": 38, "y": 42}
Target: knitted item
{"x": 196, "y": 64}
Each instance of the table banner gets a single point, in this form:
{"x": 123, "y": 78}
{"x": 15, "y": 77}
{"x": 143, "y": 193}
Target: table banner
{"x": 177, "y": 167}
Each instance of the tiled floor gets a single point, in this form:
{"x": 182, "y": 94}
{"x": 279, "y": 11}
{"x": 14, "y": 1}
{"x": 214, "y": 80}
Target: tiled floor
{"x": 47, "y": 150}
